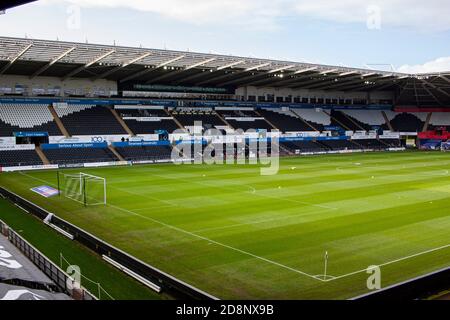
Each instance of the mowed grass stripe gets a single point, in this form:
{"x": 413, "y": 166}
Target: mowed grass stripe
{"x": 376, "y": 220}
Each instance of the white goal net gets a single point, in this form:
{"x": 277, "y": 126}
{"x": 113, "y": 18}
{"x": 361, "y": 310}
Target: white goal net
{"x": 84, "y": 188}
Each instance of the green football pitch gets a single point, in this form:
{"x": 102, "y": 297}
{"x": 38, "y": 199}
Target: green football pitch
{"x": 234, "y": 233}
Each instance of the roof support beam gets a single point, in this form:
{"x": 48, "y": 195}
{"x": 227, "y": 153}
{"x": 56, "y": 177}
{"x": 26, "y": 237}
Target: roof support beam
{"x": 123, "y": 65}
{"x": 211, "y": 71}
{"x": 250, "y": 77}
{"x": 364, "y": 85}
{"x": 325, "y": 78}
{"x": 434, "y": 87}
{"x": 281, "y": 69}
{"x": 230, "y": 65}
{"x": 15, "y": 58}
{"x": 257, "y": 76}
{"x": 326, "y": 72}
{"x": 296, "y": 79}
{"x": 233, "y": 74}
{"x": 347, "y": 76}
{"x": 432, "y": 95}
{"x": 385, "y": 82}
{"x": 146, "y": 71}
{"x": 87, "y": 65}
{"x": 48, "y": 65}
{"x": 170, "y": 74}
{"x": 351, "y": 81}
{"x": 445, "y": 78}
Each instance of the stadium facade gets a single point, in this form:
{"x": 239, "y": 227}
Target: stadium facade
{"x": 79, "y": 105}
{"x": 111, "y": 95}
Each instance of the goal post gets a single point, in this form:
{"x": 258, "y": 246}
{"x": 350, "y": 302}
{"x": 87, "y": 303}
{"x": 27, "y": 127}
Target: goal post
{"x": 84, "y": 188}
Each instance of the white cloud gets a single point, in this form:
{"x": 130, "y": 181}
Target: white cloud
{"x": 438, "y": 65}
{"x": 418, "y": 14}
{"x": 259, "y": 13}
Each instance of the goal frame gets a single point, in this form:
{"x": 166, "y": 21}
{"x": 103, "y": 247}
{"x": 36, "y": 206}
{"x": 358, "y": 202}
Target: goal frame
{"x": 83, "y": 179}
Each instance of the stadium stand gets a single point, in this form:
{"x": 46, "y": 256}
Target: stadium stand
{"x": 439, "y": 120}
{"x": 79, "y": 155}
{"x": 286, "y": 121}
{"x": 406, "y": 122}
{"x": 340, "y": 119}
{"x": 247, "y": 125}
{"x": 19, "y": 158}
{"x": 208, "y": 118}
{"x": 303, "y": 146}
{"x": 245, "y": 119}
{"x": 371, "y": 144}
{"x": 135, "y": 120}
{"x": 392, "y": 143}
{"x": 339, "y": 145}
{"x": 26, "y": 117}
{"x": 315, "y": 117}
{"x": 145, "y": 153}
{"x": 366, "y": 118}
{"x": 89, "y": 120}
{"x": 235, "y": 113}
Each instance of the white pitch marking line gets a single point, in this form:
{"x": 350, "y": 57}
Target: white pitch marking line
{"x": 168, "y": 203}
{"x": 255, "y": 256}
{"x": 202, "y": 238}
{"x": 254, "y": 223}
{"x": 253, "y": 192}
{"x": 392, "y": 262}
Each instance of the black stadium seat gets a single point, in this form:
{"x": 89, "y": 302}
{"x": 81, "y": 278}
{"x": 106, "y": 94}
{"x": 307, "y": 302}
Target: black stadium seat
{"x": 285, "y": 122}
{"x": 145, "y": 153}
{"x": 92, "y": 121}
{"x": 79, "y": 155}
{"x": 12, "y": 158}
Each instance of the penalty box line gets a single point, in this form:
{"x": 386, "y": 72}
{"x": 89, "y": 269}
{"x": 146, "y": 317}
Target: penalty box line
{"x": 256, "y": 256}
{"x": 252, "y": 191}
{"x": 389, "y": 262}
{"x": 200, "y": 237}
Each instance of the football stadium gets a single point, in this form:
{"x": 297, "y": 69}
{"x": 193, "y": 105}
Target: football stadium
{"x": 154, "y": 174}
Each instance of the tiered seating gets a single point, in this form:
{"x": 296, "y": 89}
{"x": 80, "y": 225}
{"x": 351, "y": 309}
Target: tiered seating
{"x": 303, "y": 146}
{"x": 248, "y": 125}
{"x": 371, "y": 144}
{"x": 79, "y": 155}
{"x": 238, "y": 113}
{"x": 89, "y": 120}
{"x": 252, "y": 121}
{"x": 392, "y": 143}
{"x": 285, "y": 121}
{"x": 439, "y": 120}
{"x": 208, "y": 119}
{"x": 145, "y": 153}
{"x": 13, "y": 158}
{"x": 26, "y": 117}
{"x": 147, "y": 127}
{"x": 339, "y": 144}
{"x": 340, "y": 119}
{"x": 368, "y": 118}
{"x": 317, "y": 119}
{"x": 407, "y": 122}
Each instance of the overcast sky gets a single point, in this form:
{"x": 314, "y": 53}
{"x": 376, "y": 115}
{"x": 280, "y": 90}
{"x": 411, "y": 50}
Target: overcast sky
{"x": 406, "y": 35}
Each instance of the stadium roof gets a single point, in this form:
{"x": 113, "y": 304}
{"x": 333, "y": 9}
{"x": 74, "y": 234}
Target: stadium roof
{"x": 7, "y": 4}
{"x": 66, "y": 60}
